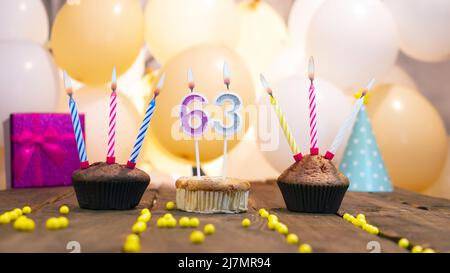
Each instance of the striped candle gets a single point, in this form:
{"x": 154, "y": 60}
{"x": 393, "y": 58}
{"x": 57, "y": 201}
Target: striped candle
{"x": 110, "y": 158}
{"x": 348, "y": 123}
{"x": 144, "y": 126}
{"x": 283, "y": 123}
{"x": 84, "y": 163}
{"x": 314, "y": 150}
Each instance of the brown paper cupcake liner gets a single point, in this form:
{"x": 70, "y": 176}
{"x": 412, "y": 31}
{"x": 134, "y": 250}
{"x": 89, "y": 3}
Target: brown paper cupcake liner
{"x": 312, "y": 198}
{"x": 212, "y": 201}
{"x": 115, "y": 195}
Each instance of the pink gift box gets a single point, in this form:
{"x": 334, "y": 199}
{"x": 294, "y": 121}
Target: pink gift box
{"x": 43, "y": 150}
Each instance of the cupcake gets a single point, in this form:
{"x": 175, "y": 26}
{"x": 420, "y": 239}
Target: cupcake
{"x": 105, "y": 186}
{"x": 212, "y": 194}
{"x": 314, "y": 185}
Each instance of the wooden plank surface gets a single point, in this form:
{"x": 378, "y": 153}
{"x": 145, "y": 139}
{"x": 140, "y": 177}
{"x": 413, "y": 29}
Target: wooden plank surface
{"x": 396, "y": 214}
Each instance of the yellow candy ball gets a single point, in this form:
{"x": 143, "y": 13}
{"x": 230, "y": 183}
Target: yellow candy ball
{"x": 139, "y": 227}
{"x": 403, "y": 243}
{"x": 356, "y": 222}
{"x": 361, "y": 217}
{"x": 197, "y": 237}
{"x": 13, "y": 215}
{"x": 184, "y": 222}
{"x": 260, "y": 211}
{"x": 209, "y": 229}
{"x": 346, "y": 216}
{"x": 170, "y": 205}
{"x": 305, "y": 248}
{"x": 132, "y": 247}
{"x": 144, "y": 217}
{"x": 168, "y": 215}
{"x": 26, "y": 210}
{"x": 428, "y": 250}
{"x": 161, "y": 223}
{"x": 171, "y": 222}
{"x": 18, "y": 212}
{"x": 5, "y": 218}
{"x": 265, "y": 214}
{"x": 133, "y": 238}
{"x": 145, "y": 211}
{"x": 64, "y": 209}
{"x": 246, "y": 222}
{"x": 272, "y": 225}
{"x": 292, "y": 239}
{"x": 417, "y": 249}
{"x": 19, "y": 224}
{"x": 351, "y": 218}
{"x": 63, "y": 222}
{"x": 194, "y": 222}
{"x": 374, "y": 230}
{"x": 272, "y": 217}
{"x": 29, "y": 225}
{"x": 283, "y": 229}
{"x": 52, "y": 223}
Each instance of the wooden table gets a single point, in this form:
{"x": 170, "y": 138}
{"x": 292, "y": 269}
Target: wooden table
{"x": 421, "y": 219}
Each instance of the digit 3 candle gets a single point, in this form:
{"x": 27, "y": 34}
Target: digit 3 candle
{"x": 145, "y": 123}
{"x": 81, "y": 146}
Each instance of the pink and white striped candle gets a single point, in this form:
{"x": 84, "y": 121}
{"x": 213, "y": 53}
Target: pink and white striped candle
{"x": 110, "y": 158}
{"x": 314, "y": 149}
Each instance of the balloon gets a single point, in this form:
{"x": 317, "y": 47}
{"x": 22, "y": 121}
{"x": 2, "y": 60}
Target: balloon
{"x": 441, "y": 187}
{"x": 423, "y": 28}
{"x": 292, "y": 95}
{"x": 352, "y": 41}
{"x": 397, "y": 75}
{"x": 289, "y": 62}
{"x": 28, "y": 80}
{"x": 2, "y": 170}
{"x": 411, "y": 136}
{"x": 24, "y": 20}
{"x": 206, "y": 62}
{"x": 302, "y": 12}
{"x": 172, "y": 26}
{"x": 94, "y": 103}
{"x": 88, "y": 40}
{"x": 263, "y": 34}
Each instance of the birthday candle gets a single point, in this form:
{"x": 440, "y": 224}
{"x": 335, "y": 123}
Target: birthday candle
{"x": 84, "y": 163}
{"x": 145, "y": 123}
{"x": 283, "y": 123}
{"x": 111, "y": 159}
{"x": 348, "y": 122}
{"x": 314, "y": 150}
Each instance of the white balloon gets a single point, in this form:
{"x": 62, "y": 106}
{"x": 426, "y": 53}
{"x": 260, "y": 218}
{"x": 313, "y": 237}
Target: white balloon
{"x": 424, "y": 28}
{"x": 302, "y": 12}
{"x": 292, "y": 94}
{"x": 289, "y": 62}
{"x": 29, "y": 79}
{"x": 24, "y": 20}
{"x": 352, "y": 41}
{"x": 263, "y": 34}
{"x": 172, "y": 26}
{"x": 399, "y": 76}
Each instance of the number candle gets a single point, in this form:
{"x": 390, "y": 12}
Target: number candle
{"x": 314, "y": 150}
{"x": 145, "y": 123}
{"x": 233, "y": 114}
{"x": 187, "y": 118}
{"x": 283, "y": 123}
{"x": 84, "y": 163}
{"x": 348, "y": 122}
{"x": 110, "y": 158}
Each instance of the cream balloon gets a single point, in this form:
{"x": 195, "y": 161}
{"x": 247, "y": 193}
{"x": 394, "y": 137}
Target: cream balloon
{"x": 300, "y": 16}
{"x": 24, "y": 20}
{"x": 398, "y": 76}
{"x": 29, "y": 80}
{"x": 172, "y": 26}
{"x": 94, "y": 103}
{"x": 206, "y": 62}
{"x": 263, "y": 34}
{"x": 88, "y": 40}
{"x": 441, "y": 187}
{"x": 352, "y": 41}
{"x": 423, "y": 28}
{"x": 411, "y": 136}
{"x": 292, "y": 95}
{"x": 289, "y": 62}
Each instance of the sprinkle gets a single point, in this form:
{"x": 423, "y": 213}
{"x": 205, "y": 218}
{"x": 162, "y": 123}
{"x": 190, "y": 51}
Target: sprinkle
{"x": 170, "y": 205}
{"x": 416, "y": 249}
{"x": 305, "y": 248}
{"x": 194, "y": 222}
{"x": 145, "y": 211}
{"x": 292, "y": 239}
{"x": 403, "y": 243}
{"x": 283, "y": 229}
{"x": 133, "y": 238}
{"x": 26, "y": 210}
{"x": 171, "y": 222}
{"x": 246, "y": 222}
{"x": 209, "y": 229}
{"x": 265, "y": 214}
{"x": 64, "y": 209}
{"x": 184, "y": 222}
{"x": 168, "y": 215}
{"x": 428, "y": 250}
{"x": 63, "y": 222}
{"x": 5, "y": 218}
{"x": 197, "y": 237}
{"x": 272, "y": 217}
{"x": 144, "y": 217}
{"x": 361, "y": 217}
{"x": 161, "y": 223}
{"x": 260, "y": 211}
{"x": 139, "y": 227}
{"x": 52, "y": 223}
{"x": 132, "y": 247}
{"x": 272, "y": 225}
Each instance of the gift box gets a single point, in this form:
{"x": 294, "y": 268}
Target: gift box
{"x": 43, "y": 150}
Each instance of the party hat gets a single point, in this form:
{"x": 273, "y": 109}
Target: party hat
{"x": 362, "y": 163}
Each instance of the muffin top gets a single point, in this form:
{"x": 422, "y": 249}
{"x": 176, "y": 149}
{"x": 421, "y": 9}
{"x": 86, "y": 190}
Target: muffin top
{"x": 211, "y": 183}
{"x": 313, "y": 170}
{"x": 102, "y": 172}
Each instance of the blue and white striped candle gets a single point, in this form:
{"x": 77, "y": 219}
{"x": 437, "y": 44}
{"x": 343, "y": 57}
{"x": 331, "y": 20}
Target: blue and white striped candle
{"x": 144, "y": 126}
{"x": 84, "y": 163}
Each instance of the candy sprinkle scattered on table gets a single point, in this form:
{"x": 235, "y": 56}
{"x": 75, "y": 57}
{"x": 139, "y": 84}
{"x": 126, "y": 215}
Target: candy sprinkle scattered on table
{"x": 260, "y": 211}
{"x": 171, "y": 222}
{"x": 170, "y": 205}
{"x": 197, "y": 237}
{"x": 417, "y": 249}
{"x": 24, "y": 223}
{"x": 403, "y": 243}
{"x": 209, "y": 229}
{"x": 5, "y": 218}
{"x": 161, "y": 223}
{"x": 194, "y": 222}
{"x": 64, "y": 209}
{"x": 139, "y": 227}
{"x": 428, "y": 250}
{"x": 305, "y": 248}
{"x": 246, "y": 222}
{"x": 184, "y": 222}
{"x": 26, "y": 210}
{"x": 144, "y": 217}
{"x": 292, "y": 239}
{"x": 283, "y": 229}
{"x": 52, "y": 223}
{"x": 145, "y": 211}
{"x": 63, "y": 222}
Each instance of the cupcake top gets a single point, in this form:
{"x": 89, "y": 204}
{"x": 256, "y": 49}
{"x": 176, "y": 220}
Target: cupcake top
{"x": 103, "y": 172}
{"x": 313, "y": 170}
{"x": 212, "y": 183}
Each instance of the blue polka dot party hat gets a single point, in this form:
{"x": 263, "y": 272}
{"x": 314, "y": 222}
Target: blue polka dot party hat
{"x": 362, "y": 162}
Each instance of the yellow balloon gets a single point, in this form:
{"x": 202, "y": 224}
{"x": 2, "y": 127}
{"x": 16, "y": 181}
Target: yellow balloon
{"x": 172, "y": 26}
{"x": 89, "y": 39}
{"x": 94, "y": 103}
{"x": 441, "y": 187}
{"x": 411, "y": 136}
{"x": 263, "y": 34}
{"x": 206, "y": 62}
